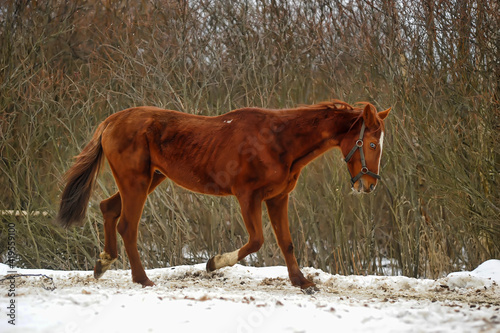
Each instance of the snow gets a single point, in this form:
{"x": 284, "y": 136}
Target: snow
{"x": 249, "y": 299}
{"x": 484, "y": 275}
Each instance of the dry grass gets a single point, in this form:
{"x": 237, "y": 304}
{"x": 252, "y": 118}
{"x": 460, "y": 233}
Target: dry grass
{"x": 65, "y": 67}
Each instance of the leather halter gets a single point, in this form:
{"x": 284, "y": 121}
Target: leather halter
{"x": 364, "y": 169}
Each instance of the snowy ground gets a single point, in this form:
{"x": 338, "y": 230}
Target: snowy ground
{"x": 248, "y": 299}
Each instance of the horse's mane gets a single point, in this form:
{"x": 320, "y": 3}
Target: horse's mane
{"x": 341, "y": 106}
{"x": 338, "y": 105}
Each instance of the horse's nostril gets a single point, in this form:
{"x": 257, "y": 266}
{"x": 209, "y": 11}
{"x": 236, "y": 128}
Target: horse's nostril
{"x": 372, "y": 187}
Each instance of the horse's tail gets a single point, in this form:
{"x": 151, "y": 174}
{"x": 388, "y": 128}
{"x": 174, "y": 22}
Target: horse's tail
{"x": 80, "y": 180}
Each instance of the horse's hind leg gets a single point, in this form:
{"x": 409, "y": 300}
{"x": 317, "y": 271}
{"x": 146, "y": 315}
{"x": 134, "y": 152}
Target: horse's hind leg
{"x": 133, "y": 198}
{"x": 111, "y": 210}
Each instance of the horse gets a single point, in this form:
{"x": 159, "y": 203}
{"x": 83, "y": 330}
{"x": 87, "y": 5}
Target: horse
{"x": 254, "y": 154}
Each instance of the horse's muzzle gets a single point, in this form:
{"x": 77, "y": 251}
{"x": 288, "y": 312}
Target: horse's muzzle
{"x": 361, "y": 186}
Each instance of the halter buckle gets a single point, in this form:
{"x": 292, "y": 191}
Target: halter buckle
{"x": 359, "y": 143}
{"x": 364, "y": 170}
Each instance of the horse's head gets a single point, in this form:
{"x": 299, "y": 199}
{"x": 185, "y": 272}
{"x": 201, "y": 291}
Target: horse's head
{"x": 362, "y": 149}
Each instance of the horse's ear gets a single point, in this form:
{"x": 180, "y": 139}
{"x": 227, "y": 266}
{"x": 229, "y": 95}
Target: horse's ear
{"x": 383, "y": 114}
{"x": 369, "y": 115}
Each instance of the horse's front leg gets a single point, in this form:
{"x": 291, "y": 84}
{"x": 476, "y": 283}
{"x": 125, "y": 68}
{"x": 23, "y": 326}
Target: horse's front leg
{"x": 278, "y": 213}
{"x": 251, "y": 209}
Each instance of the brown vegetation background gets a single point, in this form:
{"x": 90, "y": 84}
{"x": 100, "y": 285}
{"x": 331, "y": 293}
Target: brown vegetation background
{"x": 66, "y": 65}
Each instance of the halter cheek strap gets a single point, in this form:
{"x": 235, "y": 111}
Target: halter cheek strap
{"x": 364, "y": 169}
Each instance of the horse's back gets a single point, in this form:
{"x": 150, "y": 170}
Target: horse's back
{"x": 201, "y": 153}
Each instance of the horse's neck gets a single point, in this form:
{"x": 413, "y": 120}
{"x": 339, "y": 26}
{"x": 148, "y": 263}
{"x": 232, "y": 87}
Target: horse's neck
{"x": 310, "y": 133}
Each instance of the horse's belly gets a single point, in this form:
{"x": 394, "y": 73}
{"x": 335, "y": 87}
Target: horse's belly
{"x": 200, "y": 182}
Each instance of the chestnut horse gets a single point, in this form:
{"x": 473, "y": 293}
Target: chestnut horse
{"x": 254, "y": 154}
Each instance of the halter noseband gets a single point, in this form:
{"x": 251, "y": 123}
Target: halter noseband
{"x": 364, "y": 169}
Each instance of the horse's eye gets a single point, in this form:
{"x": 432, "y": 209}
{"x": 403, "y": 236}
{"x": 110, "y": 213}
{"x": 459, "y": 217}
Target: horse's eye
{"x": 372, "y": 145}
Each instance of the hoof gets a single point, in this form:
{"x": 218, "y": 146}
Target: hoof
{"x": 311, "y": 290}
{"x": 103, "y": 264}
{"x": 145, "y": 283}
{"x": 299, "y": 280}
{"x": 222, "y": 260}
{"x": 148, "y": 283}
{"x": 211, "y": 265}
{"x": 98, "y": 270}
